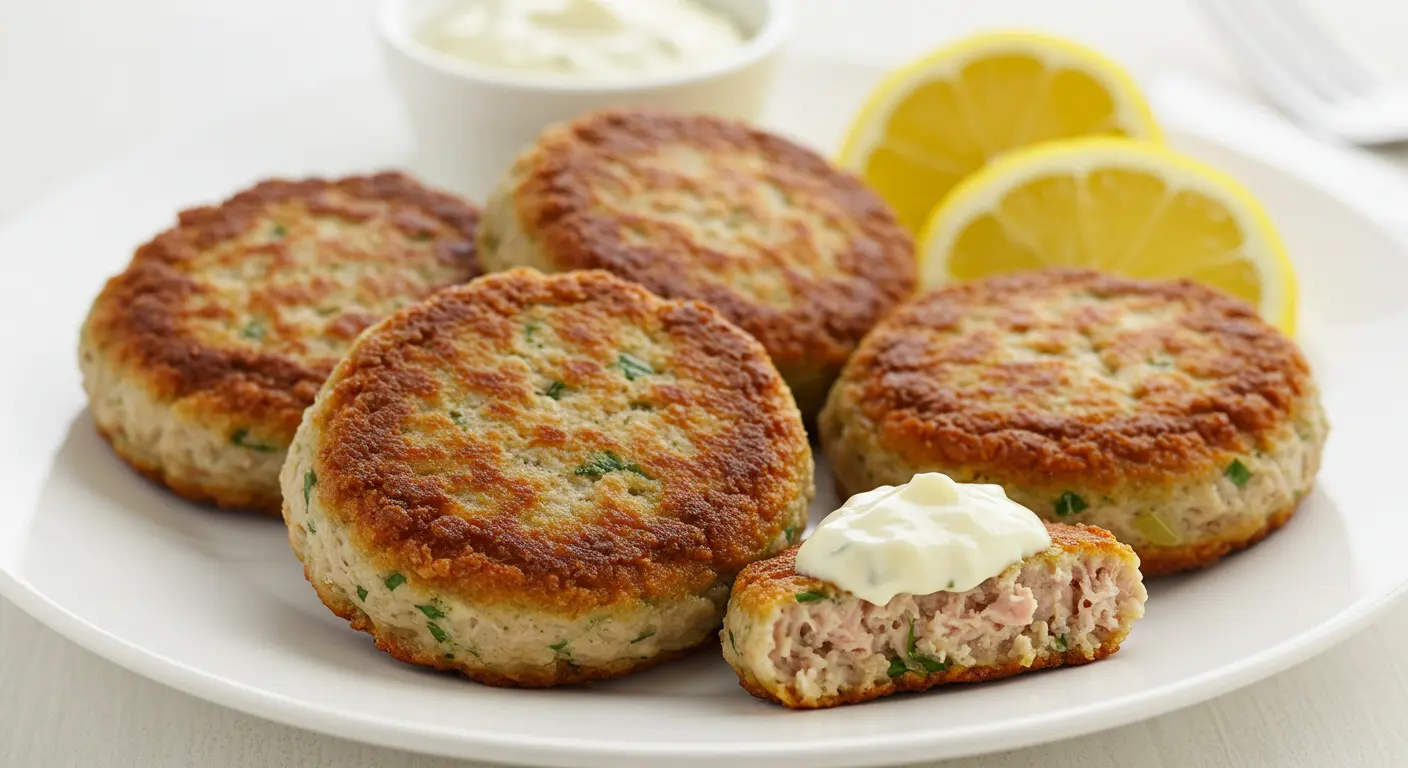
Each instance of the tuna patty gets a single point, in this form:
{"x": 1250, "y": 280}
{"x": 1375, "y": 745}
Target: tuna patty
{"x": 1163, "y": 412}
{"x": 200, "y": 358}
{"x": 538, "y": 480}
{"x": 805, "y": 643}
{"x": 793, "y": 250}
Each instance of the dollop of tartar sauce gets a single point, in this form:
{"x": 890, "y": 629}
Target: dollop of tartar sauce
{"x": 928, "y": 535}
{"x": 586, "y": 39}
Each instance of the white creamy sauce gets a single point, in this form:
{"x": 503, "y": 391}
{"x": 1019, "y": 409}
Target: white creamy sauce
{"x": 582, "y": 39}
{"x": 928, "y": 535}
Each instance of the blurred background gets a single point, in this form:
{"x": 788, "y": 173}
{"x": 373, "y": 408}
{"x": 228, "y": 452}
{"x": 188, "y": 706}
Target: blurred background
{"x": 82, "y": 80}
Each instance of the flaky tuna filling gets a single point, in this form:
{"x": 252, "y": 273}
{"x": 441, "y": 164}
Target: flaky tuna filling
{"x": 1036, "y": 608}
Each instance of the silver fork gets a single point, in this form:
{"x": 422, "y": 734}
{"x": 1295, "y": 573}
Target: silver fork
{"x": 1309, "y": 74}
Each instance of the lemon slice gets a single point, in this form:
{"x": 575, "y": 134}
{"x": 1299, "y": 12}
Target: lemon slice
{"x": 936, "y": 120}
{"x": 1127, "y": 207}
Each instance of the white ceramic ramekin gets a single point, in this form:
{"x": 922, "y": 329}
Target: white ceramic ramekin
{"x": 470, "y": 121}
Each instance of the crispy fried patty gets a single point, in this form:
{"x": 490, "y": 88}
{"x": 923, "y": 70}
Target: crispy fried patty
{"x": 795, "y": 251}
{"x": 1165, "y": 412}
{"x": 1071, "y": 604}
{"x": 539, "y": 480}
{"x": 200, "y": 358}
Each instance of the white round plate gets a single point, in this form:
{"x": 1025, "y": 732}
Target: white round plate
{"x": 215, "y": 604}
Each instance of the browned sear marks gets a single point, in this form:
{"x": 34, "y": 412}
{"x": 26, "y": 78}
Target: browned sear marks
{"x": 797, "y": 252}
{"x": 1075, "y": 377}
{"x": 572, "y": 440}
{"x": 246, "y": 305}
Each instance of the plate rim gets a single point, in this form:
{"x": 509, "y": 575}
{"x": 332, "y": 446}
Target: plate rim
{"x": 854, "y": 750}
{"x": 556, "y": 751}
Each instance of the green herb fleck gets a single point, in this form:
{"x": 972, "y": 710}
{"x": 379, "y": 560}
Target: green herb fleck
{"x": 1238, "y": 473}
{"x": 528, "y": 330}
{"x": 897, "y": 667}
{"x": 458, "y": 418}
{"x": 633, "y": 366}
{"x": 1060, "y": 642}
{"x": 312, "y": 527}
{"x": 361, "y": 593}
{"x": 241, "y": 438}
{"x": 422, "y": 236}
{"x": 790, "y": 533}
{"x": 1299, "y": 495}
{"x": 310, "y": 479}
{"x": 431, "y": 612}
{"x": 651, "y": 633}
{"x": 930, "y": 665}
{"x": 809, "y": 597}
{"x": 1162, "y": 361}
{"x": 1070, "y": 504}
{"x": 436, "y": 632}
{"x": 731, "y": 643}
{"x": 605, "y": 462}
{"x": 394, "y": 580}
{"x": 254, "y": 330}
{"x": 555, "y": 390}
{"x": 558, "y": 646}
{"x": 951, "y": 583}
{"x": 279, "y": 230}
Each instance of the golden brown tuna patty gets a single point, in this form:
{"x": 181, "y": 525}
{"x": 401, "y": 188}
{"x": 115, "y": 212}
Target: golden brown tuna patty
{"x": 1164, "y": 412}
{"x": 200, "y": 358}
{"x": 795, "y": 251}
{"x": 538, "y": 480}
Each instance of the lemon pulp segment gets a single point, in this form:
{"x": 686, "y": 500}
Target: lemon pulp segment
{"x": 935, "y": 121}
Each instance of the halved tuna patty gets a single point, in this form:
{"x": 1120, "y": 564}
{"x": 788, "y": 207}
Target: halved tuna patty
{"x": 805, "y": 643}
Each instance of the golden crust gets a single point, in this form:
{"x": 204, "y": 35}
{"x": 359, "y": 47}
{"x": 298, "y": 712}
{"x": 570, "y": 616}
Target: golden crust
{"x": 236, "y": 313}
{"x": 763, "y": 584}
{"x": 913, "y": 681}
{"x": 708, "y": 461}
{"x": 797, "y": 252}
{"x": 1026, "y": 379}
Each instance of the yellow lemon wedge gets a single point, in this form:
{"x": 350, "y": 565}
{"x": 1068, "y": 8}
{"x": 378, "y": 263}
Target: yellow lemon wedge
{"x": 1127, "y": 207}
{"x": 933, "y": 122}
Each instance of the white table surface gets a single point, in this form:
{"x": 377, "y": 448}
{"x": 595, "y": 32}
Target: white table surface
{"x": 83, "y": 80}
